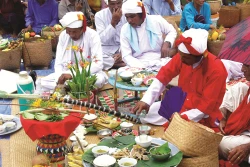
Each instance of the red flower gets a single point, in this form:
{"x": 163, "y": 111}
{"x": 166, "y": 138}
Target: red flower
{"x": 80, "y": 50}
{"x": 89, "y": 57}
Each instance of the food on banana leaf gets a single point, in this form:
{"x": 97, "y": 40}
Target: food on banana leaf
{"x": 44, "y": 117}
{"x": 106, "y": 122}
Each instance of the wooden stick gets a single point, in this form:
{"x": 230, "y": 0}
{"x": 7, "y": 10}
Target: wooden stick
{"x": 80, "y": 144}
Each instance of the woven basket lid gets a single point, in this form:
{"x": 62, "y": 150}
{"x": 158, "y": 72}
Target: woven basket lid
{"x": 204, "y": 161}
{"x": 192, "y": 138}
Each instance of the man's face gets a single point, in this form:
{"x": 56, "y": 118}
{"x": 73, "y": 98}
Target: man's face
{"x": 246, "y": 69}
{"x": 199, "y": 2}
{"x": 189, "y": 59}
{"x": 74, "y": 33}
{"x": 134, "y": 19}
{"x": 114, "y": 5}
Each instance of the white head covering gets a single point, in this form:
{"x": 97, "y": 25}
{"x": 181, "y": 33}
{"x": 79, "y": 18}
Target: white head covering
{"x": 131, "y": 6}
{"x": 198, "y": 41}
{"x": 72, "y": 20}
{"x": 107, "y": 1}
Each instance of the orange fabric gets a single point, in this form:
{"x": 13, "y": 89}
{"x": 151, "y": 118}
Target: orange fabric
{"x": 205, "y": 85}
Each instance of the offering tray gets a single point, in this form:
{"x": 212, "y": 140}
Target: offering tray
{"x": 18, "y": 126}
{"x": 129, "y": 141}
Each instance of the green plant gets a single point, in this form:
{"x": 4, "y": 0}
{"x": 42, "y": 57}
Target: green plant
{"x": 82, "y": 81}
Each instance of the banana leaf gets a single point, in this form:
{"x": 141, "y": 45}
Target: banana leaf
{"x": 128, "y": 141}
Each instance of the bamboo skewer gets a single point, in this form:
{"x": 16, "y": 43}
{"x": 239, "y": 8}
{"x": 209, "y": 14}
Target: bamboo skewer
{"x": 80, "y": 144}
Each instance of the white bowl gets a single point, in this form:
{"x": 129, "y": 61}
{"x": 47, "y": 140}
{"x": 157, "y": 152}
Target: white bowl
{"x": 104, "y": 161}
{"x": 144, "y": 129}
{"x": 10, "y": 126}
{"x": 100, "y": 150}
{"x": 112, "y": 73}
{"x": 126, "y": 75}
{"x": 8, "y": 118}
{"x": 136, "y": 81}
{"x": 2, "y": 128}
{"x": 131, "y": 162}
{"x": 126, "y": 125}
{"x": 143, "y": 140}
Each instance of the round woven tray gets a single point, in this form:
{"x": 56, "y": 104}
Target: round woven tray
{"x": 193, "y": 139}
{"x": 10, "y": 60}
{"x": 214, "y": 47}
{"x": 37, "y": 53}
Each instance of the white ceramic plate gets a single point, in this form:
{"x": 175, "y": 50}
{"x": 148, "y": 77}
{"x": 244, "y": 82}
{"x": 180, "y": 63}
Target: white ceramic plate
{"x": 18, "y": 126}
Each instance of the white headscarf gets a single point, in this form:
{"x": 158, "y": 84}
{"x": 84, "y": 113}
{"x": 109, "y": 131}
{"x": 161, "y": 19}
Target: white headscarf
{"x": 199, "y": 41}
{"x": 72, "y": 20}
{"x": 132, "y": 6}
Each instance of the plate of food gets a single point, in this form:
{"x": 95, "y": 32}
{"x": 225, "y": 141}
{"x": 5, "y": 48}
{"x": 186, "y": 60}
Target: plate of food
{"x": 148, "y": 80}
{"x": 134, "y": 70}
{"x": 9, "y": 125}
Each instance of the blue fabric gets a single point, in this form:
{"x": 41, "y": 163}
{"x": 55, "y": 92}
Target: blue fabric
{"x": 132, "y": 36}
{"x": 188, "y": 14}
{"x": 39, "y": 16}
{"x": 172, "y": 102}
{"x": 161, "y": 7}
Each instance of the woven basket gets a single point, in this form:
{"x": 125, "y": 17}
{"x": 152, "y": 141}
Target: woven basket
{"x": 214, "y": 47}
{"x": 214, "y": 6}
{"x": 229, "y": 16}
{"x": 10, "y": 60}
{"x": 205, "y": 161}
{"x": 171, "y": 21}
{"x": 193, "y": 139}
{"x": 54, "y": 39}
{"x": 37, "y": 53}
{"x": 244, "y": 10}
{"x": 176, "y": 18}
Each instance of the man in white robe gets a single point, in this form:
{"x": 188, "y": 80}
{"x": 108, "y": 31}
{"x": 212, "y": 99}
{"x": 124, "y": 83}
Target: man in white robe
{"x": 76, "y": 34}
{"x": 142, "y": 41}
{"x": 109, "y": 22}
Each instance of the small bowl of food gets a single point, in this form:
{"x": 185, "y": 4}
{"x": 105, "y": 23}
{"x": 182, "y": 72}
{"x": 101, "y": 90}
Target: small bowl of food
{"x": 8, "y": 118}
{"x": 104, "y": 133}
{"x": 104, "y": 161}
{"x": 2, "y": 128}
{"x": 126, "y": 125}
{"x": 158, "y": 155}
{"x": 127, "y": 162}
{"x": 136, "y": 81}
{"x": 143, "y": 140}
{"x": 10, "y": 126}
{"x": 112, "y": 73}
{"x": 144, "y": 129}
{"x": 135, "y": 70}
{"x": 100, "y": 150}
{"x": 126, "y": 75}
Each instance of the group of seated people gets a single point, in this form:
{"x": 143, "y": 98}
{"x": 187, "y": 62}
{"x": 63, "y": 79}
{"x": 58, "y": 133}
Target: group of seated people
{"x": 126, "y": 35}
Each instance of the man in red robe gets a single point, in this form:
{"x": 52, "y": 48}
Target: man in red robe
{"x": 235, "y": 125}
{"x": 202, "y": 79}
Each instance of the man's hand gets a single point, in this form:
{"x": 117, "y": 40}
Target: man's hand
{"x": 239, "y": 153}
{"x": 116, "y": 16}
{"x": 63, "y": 78}
{"x": 78, "y": 6}
{"x": 212, "y": 26}
{"x": 165, "y": 50}
{"x": 139, "y": 107}
{"x": 118, "y": 58}
{"x": 222, "y": 125}
{"x": 27, "y": 29}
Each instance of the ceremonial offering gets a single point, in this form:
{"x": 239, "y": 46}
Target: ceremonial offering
{"x": 134, "y": 70}
{"x": 104, "y": 161}
{"x": 126, "y": 75}
{"x": 127, "y": 162}
{"x": 126, "y": 125}
{"x": 104, "y": 133}
{"x": 100, "y": 150}
{"x": 160, "y": 152}
{"x": 143, "y": 140}
{"x": 9, "y": 124}
{"x": 136, "y": 81}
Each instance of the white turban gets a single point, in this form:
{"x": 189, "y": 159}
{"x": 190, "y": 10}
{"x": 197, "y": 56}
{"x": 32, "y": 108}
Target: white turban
{"x": 72, "y": 20}
{"x": 107, "y": 1}
{"x": 132, "y": 6}
{"x": 193, "y": 41}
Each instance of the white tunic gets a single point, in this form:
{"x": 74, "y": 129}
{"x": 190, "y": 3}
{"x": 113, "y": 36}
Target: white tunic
{"x": 147, "y": 57}
{"x": 91, "y": 44}
{"x": 110, "y": 36}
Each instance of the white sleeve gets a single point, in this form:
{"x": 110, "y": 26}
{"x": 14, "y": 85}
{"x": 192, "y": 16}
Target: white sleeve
{"x": 106, "y": 33}
{"x": 195, "y": 115}
{"x": 127, "y": 51}
{"x": 153, "y": 92}
{"x": 169, "y": 30}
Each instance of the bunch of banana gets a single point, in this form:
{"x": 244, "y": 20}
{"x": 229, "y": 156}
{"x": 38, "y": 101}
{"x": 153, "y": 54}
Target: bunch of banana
{"x": 217, "y": 34}
{"x": 75, "y": 159}
{"x": 3, "y": 44}
{"x": 106, "y": 122}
